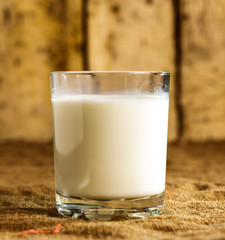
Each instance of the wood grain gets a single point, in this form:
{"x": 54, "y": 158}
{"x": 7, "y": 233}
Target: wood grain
{"x": 32, "y": 45}
{"x": 203, "y": 71}
{"x": 134, "y": 36}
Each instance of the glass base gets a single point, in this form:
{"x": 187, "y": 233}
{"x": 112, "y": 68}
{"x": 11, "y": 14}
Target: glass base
{"x": 106, "y": 210}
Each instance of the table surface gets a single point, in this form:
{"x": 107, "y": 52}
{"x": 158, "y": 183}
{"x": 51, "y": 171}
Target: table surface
{"x": 194, "y": 199}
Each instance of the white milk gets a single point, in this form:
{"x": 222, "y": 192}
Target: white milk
{"x": 109, "y": 147}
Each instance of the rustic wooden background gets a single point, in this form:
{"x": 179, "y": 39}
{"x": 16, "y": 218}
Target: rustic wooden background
{"x": 185, "y": 37}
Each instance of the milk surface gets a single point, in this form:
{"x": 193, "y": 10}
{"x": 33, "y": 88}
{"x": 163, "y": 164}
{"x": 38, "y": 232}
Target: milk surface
{"x": 110, "y": 146}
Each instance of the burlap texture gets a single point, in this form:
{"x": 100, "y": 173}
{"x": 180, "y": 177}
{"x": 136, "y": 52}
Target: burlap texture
{"x": 194, "y": 199}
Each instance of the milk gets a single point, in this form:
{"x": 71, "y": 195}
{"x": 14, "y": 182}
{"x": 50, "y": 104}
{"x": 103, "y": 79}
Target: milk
{"x": 110, "y": 146}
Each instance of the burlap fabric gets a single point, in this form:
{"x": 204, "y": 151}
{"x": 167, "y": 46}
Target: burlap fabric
{"x": 194, "y": 209}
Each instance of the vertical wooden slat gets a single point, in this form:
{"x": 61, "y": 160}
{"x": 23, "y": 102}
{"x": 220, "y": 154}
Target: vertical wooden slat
{"x": 133, "y": 35}
{"x": 31, "y": 47}
{"x": 203, "y": 71}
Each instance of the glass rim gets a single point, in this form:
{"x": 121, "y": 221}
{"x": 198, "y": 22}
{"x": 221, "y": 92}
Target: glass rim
{"x": 161, "y": 73}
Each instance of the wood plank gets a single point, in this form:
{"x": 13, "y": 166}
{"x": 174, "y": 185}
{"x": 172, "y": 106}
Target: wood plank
{"x": 31, "y": 46}
{"x": 203, "y": 85}
{"x": 133, "y": 36}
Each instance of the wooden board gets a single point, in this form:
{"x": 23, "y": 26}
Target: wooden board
{"x": 40, "y": 36}
{"x": 35, "y": 39}
{"x": 203, "y": 71}
{"x": 133, "y": 35}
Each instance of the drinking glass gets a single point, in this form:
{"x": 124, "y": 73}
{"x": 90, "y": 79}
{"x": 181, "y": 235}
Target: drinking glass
{"x": 110, "y": 143}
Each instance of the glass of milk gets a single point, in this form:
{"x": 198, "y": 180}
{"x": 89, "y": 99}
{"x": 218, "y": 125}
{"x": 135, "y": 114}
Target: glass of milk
{"x": 110, "y": 143}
